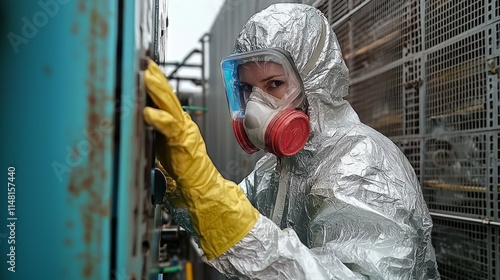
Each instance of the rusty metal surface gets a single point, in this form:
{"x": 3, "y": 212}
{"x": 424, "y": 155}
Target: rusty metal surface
{"x": 79, "y": 144}
{"x": 134, "y": 208}
{"x": 90, "y": 184}
{"x": 59, "y": 63}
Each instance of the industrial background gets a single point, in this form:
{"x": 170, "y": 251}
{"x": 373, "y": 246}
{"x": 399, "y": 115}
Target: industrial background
{"x": 423, "y": 72}
{"x": 426, "y": 74}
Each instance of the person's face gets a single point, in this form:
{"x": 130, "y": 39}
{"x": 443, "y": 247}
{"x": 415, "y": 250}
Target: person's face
{"x": 268, "y": 76}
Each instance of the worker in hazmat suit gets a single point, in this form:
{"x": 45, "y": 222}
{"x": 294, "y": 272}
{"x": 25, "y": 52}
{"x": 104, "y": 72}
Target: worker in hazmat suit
{"x": 332, "y": 198}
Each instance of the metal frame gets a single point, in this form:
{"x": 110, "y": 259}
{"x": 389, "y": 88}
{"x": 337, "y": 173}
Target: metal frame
{"x": 202, "y": 81}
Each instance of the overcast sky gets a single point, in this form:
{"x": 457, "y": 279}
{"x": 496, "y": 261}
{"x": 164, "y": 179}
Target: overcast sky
{"x": 188, "y": 21}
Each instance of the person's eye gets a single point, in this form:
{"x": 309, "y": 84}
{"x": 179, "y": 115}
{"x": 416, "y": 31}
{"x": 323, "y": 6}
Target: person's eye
{"x": 246, "y": 88}
{"x": 275, "y": 83}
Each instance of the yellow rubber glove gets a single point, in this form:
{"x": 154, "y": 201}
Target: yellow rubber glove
{"x": 220, "y": 212}
{"x": 173, "y": 193}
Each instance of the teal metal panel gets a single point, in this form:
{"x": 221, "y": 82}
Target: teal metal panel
{"x": 133, "y": 207}
{"x": 134, "y": 211}
{"x": 57, "y": 106}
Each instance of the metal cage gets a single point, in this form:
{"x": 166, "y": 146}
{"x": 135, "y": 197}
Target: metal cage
{"x": 425, "y": 74}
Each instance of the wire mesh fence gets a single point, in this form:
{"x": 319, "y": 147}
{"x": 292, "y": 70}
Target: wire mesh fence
{"x": 426, "y": 74}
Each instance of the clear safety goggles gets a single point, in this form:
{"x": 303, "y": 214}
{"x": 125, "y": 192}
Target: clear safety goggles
{"x": 268, "y": 74}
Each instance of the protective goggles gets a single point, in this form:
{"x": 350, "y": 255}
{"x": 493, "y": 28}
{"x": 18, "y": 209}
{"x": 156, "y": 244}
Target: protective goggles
{"x": 269, "y": 72}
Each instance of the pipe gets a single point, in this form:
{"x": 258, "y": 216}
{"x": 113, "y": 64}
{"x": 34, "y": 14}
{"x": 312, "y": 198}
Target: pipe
{"x": 178, "y": 64}
{"x": 183, "y": 62}
{"x": 203, "y": 86}
{"x": 454, "y": 217}
{"x": 195, "y": 81}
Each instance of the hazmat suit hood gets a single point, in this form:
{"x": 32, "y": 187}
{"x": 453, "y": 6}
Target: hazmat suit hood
{"x": 305, "y": 33}
{"x": 350, "y": 194}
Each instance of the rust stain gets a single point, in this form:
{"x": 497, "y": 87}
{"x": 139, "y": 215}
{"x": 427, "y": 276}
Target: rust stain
{"x": 47, "y": 70}
{"x": 68, "y": 242}
{"x": 87, "y": 224}
{"x": 92, "y": 72}
{"x": 95, "y": 119}
{"x": 104, "y": 64}
{"x": 81, "y": 6}
{"x": 75, "y": 153}
{"x": 73, "y": 189}
{"x": 88, "y": 180}
{"x": 142, "y": 178}
{"x": 136, "y": 184}
{"x": 99, "y": 25}
{"x": 135, "y": 229}
{"x": 87, "y": 270}
{"x": 75, "y": 27}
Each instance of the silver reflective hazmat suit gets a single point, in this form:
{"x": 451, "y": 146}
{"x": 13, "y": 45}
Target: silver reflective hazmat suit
{"x": 348, "y": 205}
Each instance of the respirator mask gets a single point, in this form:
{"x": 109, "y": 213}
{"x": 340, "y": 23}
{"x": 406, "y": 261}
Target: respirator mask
{"x": 266, "y": 101}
